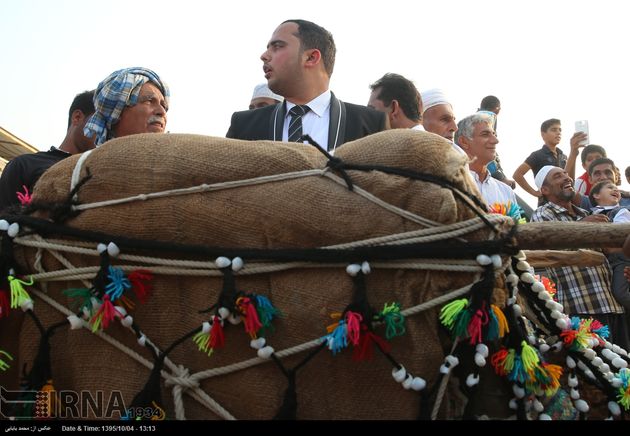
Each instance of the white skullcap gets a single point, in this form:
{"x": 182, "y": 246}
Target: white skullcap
{"x": 433, "y": 97}
{"x": 263, "y": 91}
{"x": 542, "y": 175}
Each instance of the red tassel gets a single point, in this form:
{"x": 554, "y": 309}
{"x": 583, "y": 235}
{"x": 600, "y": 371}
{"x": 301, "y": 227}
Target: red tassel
{"x": 353, "y": 321}
{"x": 140, "y": 284}
{"x": 4, "y": 303}
{"x": 24, "y": 197}
{"x": 497, "y": 361}
{"x": 479, "y": 319}
{"x": 217, "y": 339}
{"x": 247, "y": 308}
{"x": 365, "y": 349}
{"x": 105, "y": 314}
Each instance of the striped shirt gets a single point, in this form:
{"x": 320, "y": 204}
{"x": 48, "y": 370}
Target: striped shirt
{"x": 582, "y": 291}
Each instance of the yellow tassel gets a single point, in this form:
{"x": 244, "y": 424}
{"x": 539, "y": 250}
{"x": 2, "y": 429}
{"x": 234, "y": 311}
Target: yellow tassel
{"x": 449, "y": 313}
{"x": 529, "y": 357}
{"x": 502, "y": 321}
{"x": 18, "y": 293}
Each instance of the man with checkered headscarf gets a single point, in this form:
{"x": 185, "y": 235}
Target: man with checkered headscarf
{"x": 128, "y": 101}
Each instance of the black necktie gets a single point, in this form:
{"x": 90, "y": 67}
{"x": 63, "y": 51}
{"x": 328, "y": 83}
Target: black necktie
{"x": 295, "y": 126}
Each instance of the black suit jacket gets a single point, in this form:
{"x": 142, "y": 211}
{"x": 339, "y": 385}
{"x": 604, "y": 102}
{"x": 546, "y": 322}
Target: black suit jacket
{"x": 347, "y": 122}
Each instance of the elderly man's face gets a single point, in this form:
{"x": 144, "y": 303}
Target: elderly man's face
{"x": 147, "y": 116}
{"x": 440, "y": 120}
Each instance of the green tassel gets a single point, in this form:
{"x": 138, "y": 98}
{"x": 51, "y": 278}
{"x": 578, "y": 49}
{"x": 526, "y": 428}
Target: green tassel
{"x": 394, "y": 320}
{"x": 82, "y": 298}
{"x": 460, "y": 330}
{"x": 18, "y": 293}
{"x": 449, "y": 313}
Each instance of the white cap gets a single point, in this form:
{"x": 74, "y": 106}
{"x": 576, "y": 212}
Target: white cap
{"x": 542, "y": 175}
{"x": 433, "y": 97}
{"x": 263, "y": 91}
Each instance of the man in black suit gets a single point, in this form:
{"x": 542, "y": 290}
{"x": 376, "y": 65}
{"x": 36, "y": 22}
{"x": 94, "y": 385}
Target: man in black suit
{"x": 298, "y": 63}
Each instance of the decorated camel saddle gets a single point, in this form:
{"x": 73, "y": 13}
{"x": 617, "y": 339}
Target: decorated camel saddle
{"x": 183, "y": 276}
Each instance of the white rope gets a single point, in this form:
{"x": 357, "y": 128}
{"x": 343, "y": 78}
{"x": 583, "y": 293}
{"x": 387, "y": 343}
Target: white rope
{"x": 442, "y": 390}
{"x": 76, "y": 172}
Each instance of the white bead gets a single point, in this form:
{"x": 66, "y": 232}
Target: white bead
{"x": 265, "y": 352}
{"x": 517, "y": 310}
{"x": 13, "y": 230}
{"x": 589, "y": 374}
{"x": 142, "y": 340}
{"x": 258, "y": 343}
{"x": 472, "y": 380}
{"x": 512, "y": 279}
{"x": 237, "y": 264}
{"x": 570, "y": 362}
{"x": 399, "y": 374}
{"x": 562, "y": 323}
{"x": 26, "y": 305}
{"x": 127, "y": 321}
{"x": 480, "y": 360}
{"x": 538, "y": 287}
{"x": 234, "y": 319}
{"x": 551, "y": 305}
{"x": 205, "y": 327}
{"x": 513, "y": 404}
{"x": 538, "y": 406}
{"x": 544, "y": 295}
{"x": 532, "y": 340}
{"x": 353, "y": 269}
{"x": 520, "y": 255}
{"x": 575, "y": 395}
{"x": 484, "y": 259}
{"x": 559, "y": 306}
{"x": 619, "y": 363}
{"x": 4, "y": 225}
{"x": 544, "y": 417}
{"x": 557, "y": 347}
{"x": 101, "y": 248}
{"x": 523, "y": 266}
{"x": 597, "y": 361}
{"x": 572, "y": 381}
{"x": 222, "y": 262}
{"x": 121, "y": 310}
{"x": 511, "y": 301}
{"x": 365, "y": 268}
{"x": 604, "y": 368}
{"x": 407, "y": 383}
{"x": 589, "y": 353}
{"x": 418, "y": 384}
{"x": 519, "y": 392}
{"x": 113, "y": 250}
{"x": 581, "y": 406}
{"x": 582, "y": 366}
{"x": 614, "y": 408}
{"x": 453, "y": 361}
{"x": 75, "y": 322}
{"x": 593, "y": 342}
{"x": 608, "y": 354}
{"x": 224, "y": 312}
{"x": 616, "y": 382}
{"x": 543, "y": 348}
{"x": 496, "y": 261}
{"x": 527, "y": 278}
{"x": 482, "y": 349}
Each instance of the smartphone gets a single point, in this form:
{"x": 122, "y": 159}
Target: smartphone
{"x": 582, "y": 126}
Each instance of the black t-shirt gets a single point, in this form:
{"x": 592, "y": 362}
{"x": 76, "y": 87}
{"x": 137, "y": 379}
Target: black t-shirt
{"x": 25, "y": 170}
{"x": 543, "y": 157}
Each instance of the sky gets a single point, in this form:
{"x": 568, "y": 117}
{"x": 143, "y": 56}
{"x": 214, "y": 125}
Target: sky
{"x": 543, "y": 59}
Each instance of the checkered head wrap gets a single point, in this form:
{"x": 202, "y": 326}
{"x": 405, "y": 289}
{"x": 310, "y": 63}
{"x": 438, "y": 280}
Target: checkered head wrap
{"x": 119, "y": 90}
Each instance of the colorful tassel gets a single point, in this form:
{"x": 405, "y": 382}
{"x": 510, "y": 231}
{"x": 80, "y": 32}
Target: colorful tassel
{"x": 25, "y": 197}
{"x": 501, "y": 320}
{"x": 337, "y": 339}
{"x": 140, "y": 280}
{"x": 450, "y": 312}
{"x": 623, "y": 395}
{"x": 266, "y": 310}
{"x": 353, "y": 321}
{"x": 529, "y": 357}
{"x": 82, "y": 298}
{"x": 248, "y": 310}
{"x": 365, "y": 348}
{"x": 394, "y": 320}
{"x": 104, "y": 316}
{"x": 4, "y": 365}
{"x": 18, "y": 293}
{"x": 476, "y": 324}
{"x": 460, "y": 329}
{"x": 4, "y": 303}
{"x": 118, "y": 283}
{"x": 213, "y": 339}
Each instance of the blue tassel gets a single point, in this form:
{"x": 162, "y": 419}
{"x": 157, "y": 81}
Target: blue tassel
{"x": 266, "y": 310}
{"x": 338, "y": 339}
{"x": 493, "y": 327}
{"x": 118, "y": 283}
{"x": 603, "y": 331}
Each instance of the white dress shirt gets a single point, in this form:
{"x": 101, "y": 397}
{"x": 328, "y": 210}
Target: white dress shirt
{"x": 315, "y": 123}
{"x": 493, "y": 191}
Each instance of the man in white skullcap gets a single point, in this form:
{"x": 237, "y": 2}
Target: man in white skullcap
{"x": 263, "y": 96}
{"x": 583, "y": 291}
{"x": 437, "y": 115}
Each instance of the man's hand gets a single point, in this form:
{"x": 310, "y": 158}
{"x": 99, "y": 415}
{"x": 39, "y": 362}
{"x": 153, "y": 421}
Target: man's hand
{"x": 597, "y": 218}
{"x": 576, "y": 140}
